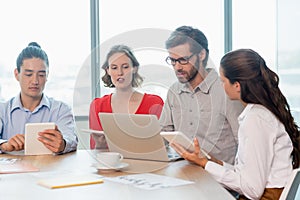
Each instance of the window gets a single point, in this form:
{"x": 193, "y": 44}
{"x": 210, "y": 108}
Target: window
{"x": 254, "y": 27}
{"x": 270, "y": 28}
{"x": 288, "y": 52}
{"x": 62, "y": 28}
{"x": 145, "y": 27}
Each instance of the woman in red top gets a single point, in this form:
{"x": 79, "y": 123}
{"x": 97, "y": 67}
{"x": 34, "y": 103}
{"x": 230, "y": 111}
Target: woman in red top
{"x": 121, "y": 73}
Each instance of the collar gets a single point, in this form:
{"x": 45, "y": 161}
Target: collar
{"x": 204, "y": 86}
{"x": 245, "y": 112}
{"x": 17, "y": 104}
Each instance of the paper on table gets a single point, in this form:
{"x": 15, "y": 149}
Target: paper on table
{"x": 14, "y": 165}
{"x": 149, "y": 181}
{"x": 69, "y": 181}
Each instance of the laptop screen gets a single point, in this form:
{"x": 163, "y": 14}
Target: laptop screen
{"x": 134, "y": 135}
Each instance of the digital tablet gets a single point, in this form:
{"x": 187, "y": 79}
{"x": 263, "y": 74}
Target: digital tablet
{"x": 97, "y": 132}
{"x": 179, "y": 138}
{"x": 32, "y": 145}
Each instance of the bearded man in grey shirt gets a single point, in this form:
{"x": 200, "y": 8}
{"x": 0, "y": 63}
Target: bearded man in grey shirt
{"x": 197, "y": 105}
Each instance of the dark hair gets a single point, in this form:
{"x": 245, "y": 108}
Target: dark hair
{"x": 259, "y": 85}
{"x": 137, "y": 80}
{"x": 33, "y": 50}
{"x": 194, "y": 37}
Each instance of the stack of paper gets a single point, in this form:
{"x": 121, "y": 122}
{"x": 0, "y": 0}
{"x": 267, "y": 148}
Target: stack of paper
{"x": 149, "y": 181}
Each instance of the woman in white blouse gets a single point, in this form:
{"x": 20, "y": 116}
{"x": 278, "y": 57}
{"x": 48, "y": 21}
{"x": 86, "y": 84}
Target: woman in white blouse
{"x": 268, "y": 136}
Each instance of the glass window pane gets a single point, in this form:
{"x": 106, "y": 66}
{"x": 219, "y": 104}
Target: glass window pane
{"x": 254, "y": 27}
{"x": 289, "y": 51}
{"x": 62, "y": 28}
{"x": 145, "y": 25}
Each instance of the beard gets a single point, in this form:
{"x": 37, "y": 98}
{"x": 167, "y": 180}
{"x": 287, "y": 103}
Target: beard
{"x": 191, "y": 74}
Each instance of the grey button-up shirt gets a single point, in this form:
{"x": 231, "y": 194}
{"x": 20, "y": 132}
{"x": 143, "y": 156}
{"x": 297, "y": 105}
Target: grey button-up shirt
{"x": 205, "y": 113}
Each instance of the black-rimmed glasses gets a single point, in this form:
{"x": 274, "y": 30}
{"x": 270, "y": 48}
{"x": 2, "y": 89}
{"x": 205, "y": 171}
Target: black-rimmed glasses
{"x": 182, "y": 60}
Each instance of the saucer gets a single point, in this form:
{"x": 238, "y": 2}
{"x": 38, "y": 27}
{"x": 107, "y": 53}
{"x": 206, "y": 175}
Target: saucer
{"x": 105, "y": 168}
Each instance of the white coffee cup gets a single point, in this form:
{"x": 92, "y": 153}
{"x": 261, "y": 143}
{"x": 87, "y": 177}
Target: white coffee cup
{"x": 109, "y": 159}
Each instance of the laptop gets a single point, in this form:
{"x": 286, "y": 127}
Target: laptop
{"x": 136, "y": 136}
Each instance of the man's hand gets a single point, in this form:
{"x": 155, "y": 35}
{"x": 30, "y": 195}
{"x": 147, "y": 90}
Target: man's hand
{"x": 15, "y": 143}
{"x": 52, "y": 139}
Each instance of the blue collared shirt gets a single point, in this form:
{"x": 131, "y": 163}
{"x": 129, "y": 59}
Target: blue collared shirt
{"x": 13, "y": 117}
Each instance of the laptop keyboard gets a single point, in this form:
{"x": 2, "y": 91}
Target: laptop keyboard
{"x": 172, "y": 154}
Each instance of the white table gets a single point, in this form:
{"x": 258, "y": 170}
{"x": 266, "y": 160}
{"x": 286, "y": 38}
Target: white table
{"x": 24, "y": 185}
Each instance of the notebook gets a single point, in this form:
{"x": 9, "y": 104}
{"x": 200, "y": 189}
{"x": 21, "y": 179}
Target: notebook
{"x": 70, "y": 181}
{"x": 136, "y": 136}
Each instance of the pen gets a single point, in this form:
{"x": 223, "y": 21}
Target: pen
{"x": 75, "y": 184}
{"x": 92, "y": 131}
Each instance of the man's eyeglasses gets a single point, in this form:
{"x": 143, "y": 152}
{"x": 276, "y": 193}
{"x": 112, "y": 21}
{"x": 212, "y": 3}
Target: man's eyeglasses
{"x": 182, "y": 60}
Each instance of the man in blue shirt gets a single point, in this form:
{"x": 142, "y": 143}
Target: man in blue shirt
{"x": 32, "y": 106}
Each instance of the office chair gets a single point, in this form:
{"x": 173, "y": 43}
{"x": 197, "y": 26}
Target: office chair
{"x": 292, "y": 190}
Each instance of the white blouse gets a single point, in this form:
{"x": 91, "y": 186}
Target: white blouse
{"x": 263, "y": 158}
